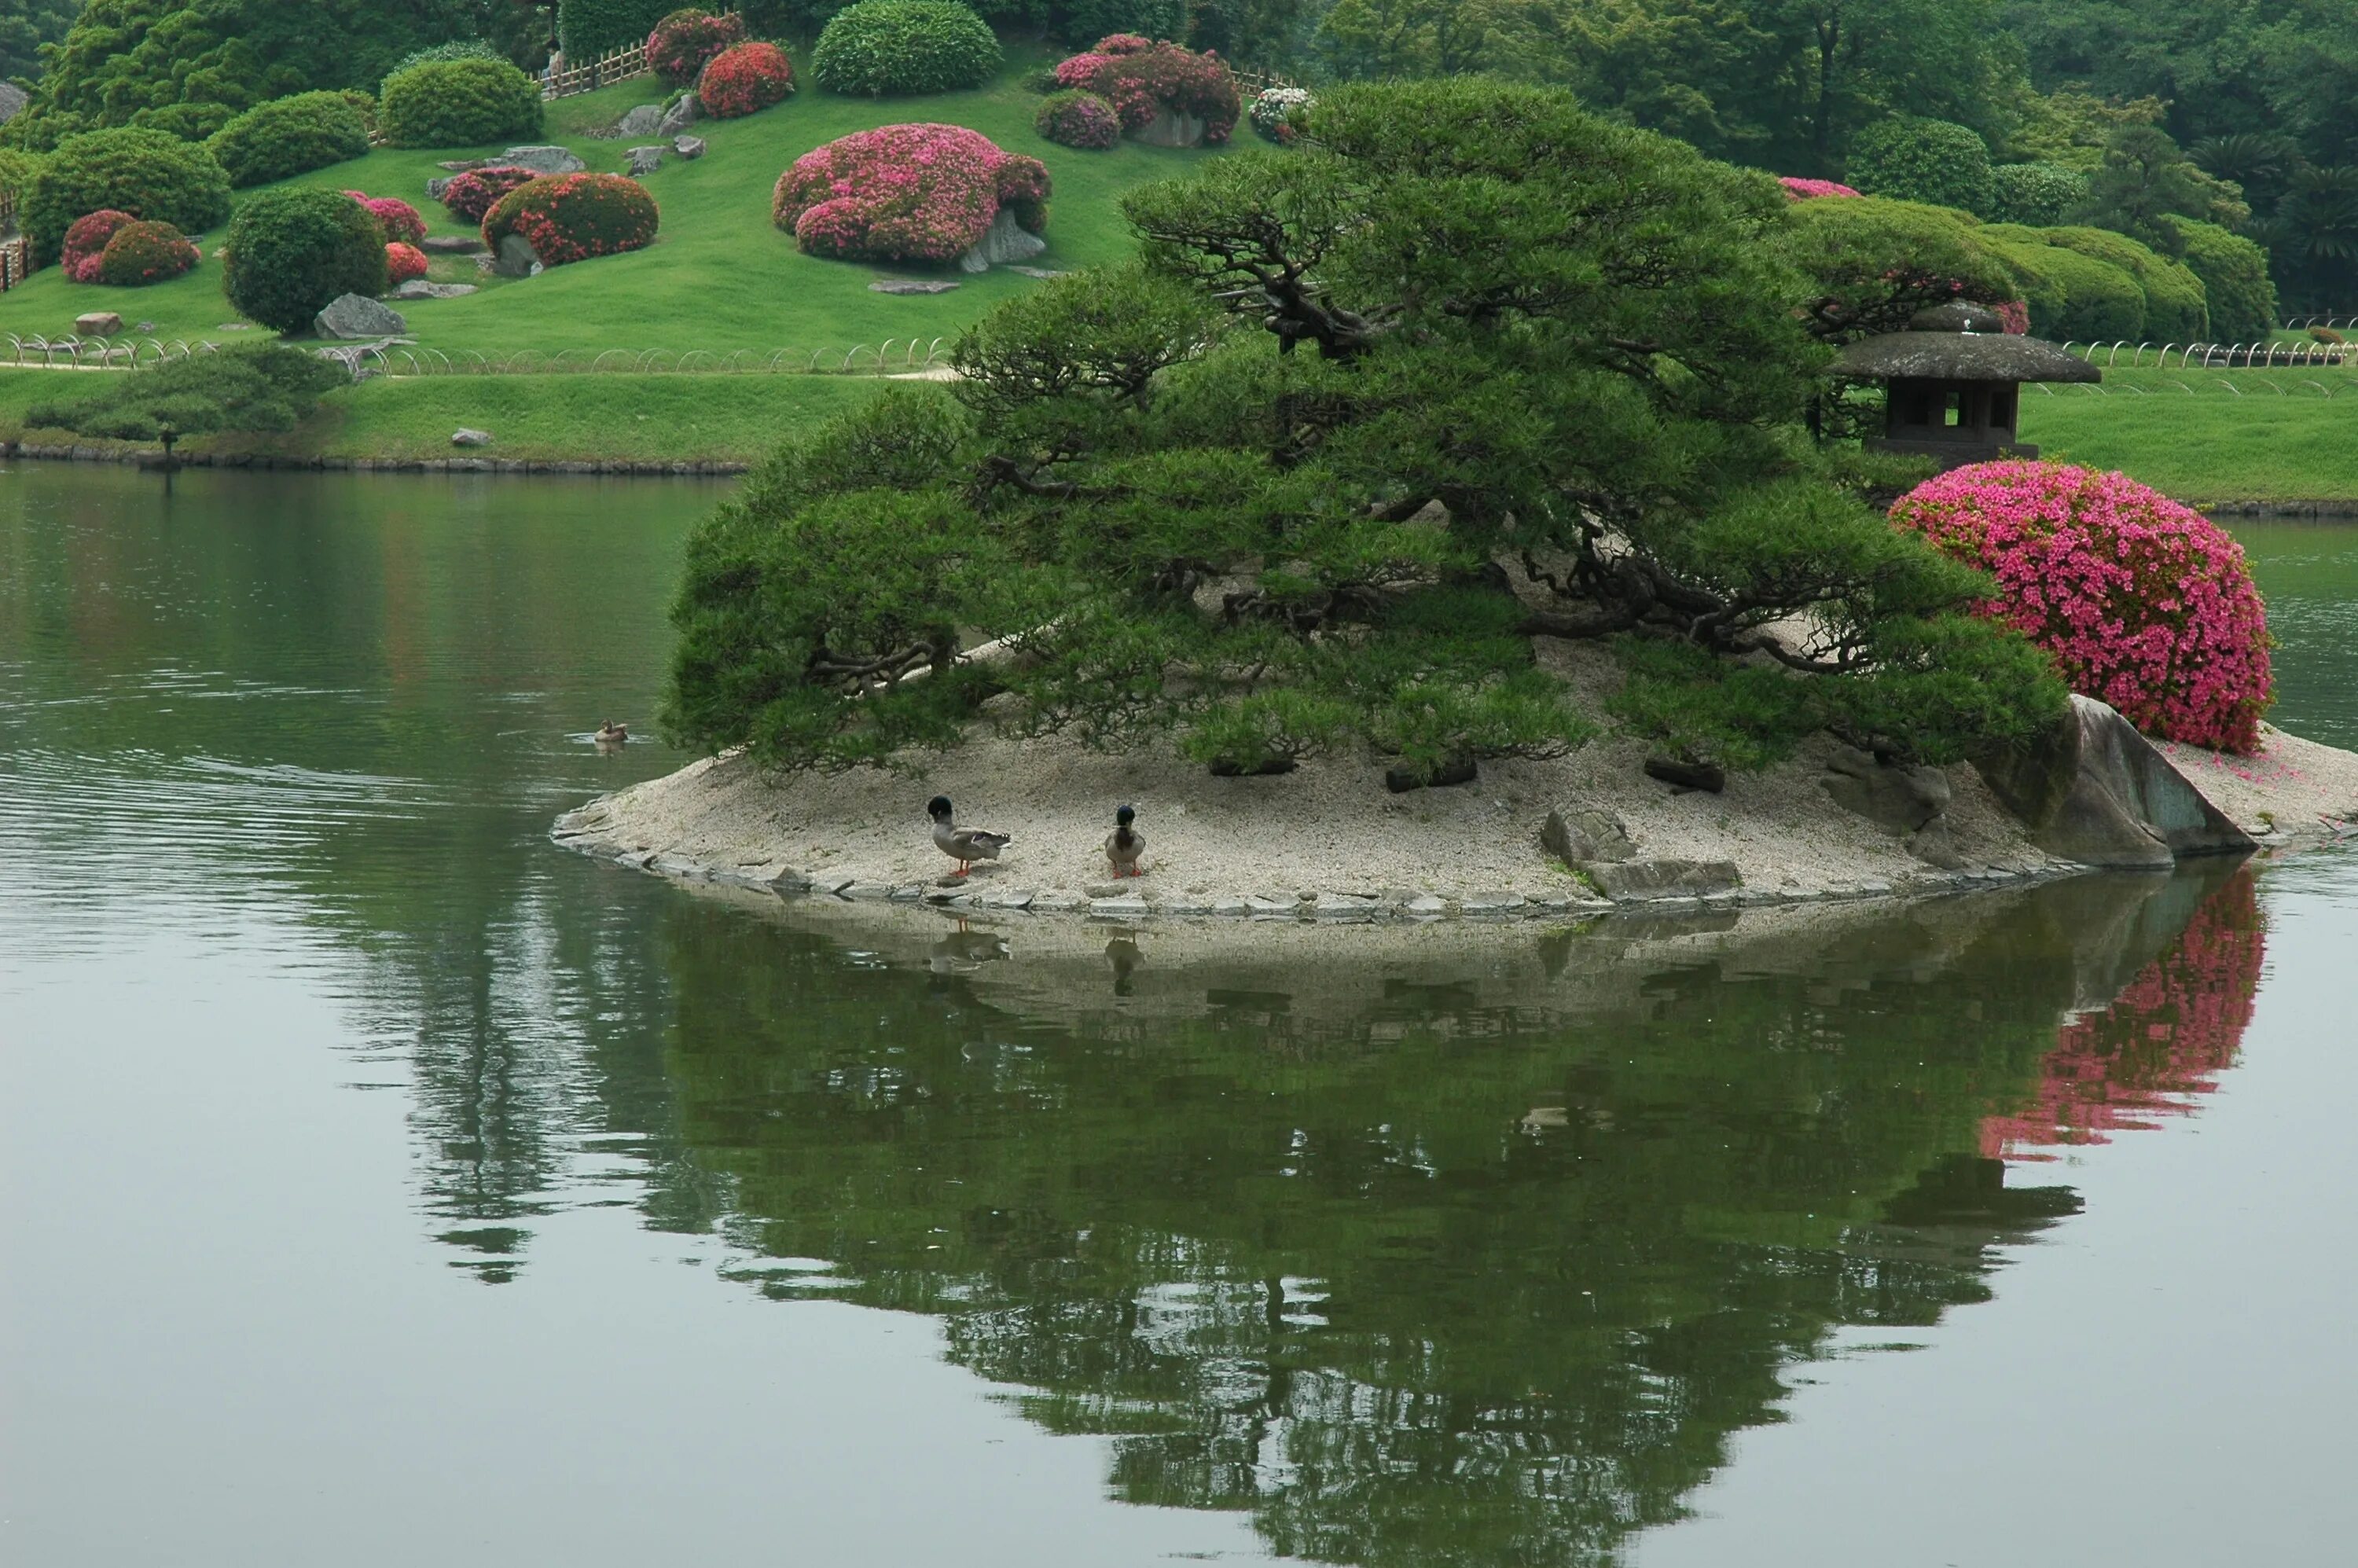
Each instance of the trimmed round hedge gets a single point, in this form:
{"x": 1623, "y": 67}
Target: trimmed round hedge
{"x": 685, "y": 42}
{"x": 2074, "y": 297}
{"x": 744, "y": 80}
{"x": 288, "y": 136}
{"x": 573, "y": 216}
{"x": 460, "y": 49}
{"x": 921, "y": 193}
{"x": 880, "y": 47}
{"x": 459, "y": 104}
{"x": 471, "y": 194}
{"x": 145, "y": 173}
{"x": 292, "y": 252}
{"x": 1142, "y": 78}
{"x": 2142, "y": 603}
{"x": 2234, "y": 273}
{"x": 1932, "y": 161}
{"x": 1076, "y": 119}
{"x": 84, "y": 246}
{"x": 2038, "y": 194}
{"x": 142, "y": 253}
{"x": 403, "y": 262}
{"x": 399, "y": 220}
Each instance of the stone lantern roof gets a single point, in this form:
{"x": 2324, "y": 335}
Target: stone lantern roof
{"x": 1959, "y": 342}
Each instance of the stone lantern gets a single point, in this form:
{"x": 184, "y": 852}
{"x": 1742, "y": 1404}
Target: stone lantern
{"x": 1954, "y": 383}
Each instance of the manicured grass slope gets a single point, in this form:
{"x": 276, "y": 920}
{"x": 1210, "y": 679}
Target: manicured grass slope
{"x": 719, "y": 278}
{"x": 2188, "y": 436}
{"x": 606, "y": 417}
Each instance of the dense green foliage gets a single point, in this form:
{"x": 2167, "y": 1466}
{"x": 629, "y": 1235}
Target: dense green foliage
{"x": 25, "y": 26}
{"x": 1269, "y": 489}
{"x": 260, "y": 387}
{"x": 588, "y": 28}
{"x": 145, "y": 173}
{"x": 1931, "y": 161}
{"x": 881, "y": 47}
{"x": 1873, "y": 263}
{"x": 2073, "y": 297}
{"x": 293, "y": 250}
{"x": 2038, "y": 194}
{"x": 187, "y": 66}
{"x": 289, "y": 136}
{"x": 458, "y": 48}
{"x": 459, "y": 104}
{"x": 2235, "y": 284}
{"x": 16, "y": 170}
{"x": 2175, "y": 307}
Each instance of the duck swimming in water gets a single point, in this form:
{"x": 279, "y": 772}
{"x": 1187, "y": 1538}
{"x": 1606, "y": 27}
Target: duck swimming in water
{"x": 613, "y": 734}
{"x": 964, "y": 845}
{"x": 1125, "y": 844}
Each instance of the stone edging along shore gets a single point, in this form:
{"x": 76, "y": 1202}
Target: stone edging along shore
{"x": 86, "y": 452}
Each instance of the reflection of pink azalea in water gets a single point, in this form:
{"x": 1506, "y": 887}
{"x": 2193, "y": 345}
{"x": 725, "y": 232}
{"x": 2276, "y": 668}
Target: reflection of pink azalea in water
{"x": 2158, "y": 1047}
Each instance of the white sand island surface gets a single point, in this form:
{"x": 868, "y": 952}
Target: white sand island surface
{"x": 1328, "y": 840}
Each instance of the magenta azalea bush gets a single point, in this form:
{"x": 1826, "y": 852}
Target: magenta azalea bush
{"x": 402, "y": 225}
{"x": 85, "y": 242}
{"x": 2016, "y": 314}
{"x": 402, "y": 263}
{"x": 571, "y": 216}
{"x": 1141, "y": 78}
{"x": 683, "y": 43}
{"x": 906, "y": 194}
{"x": 471, "y": 195}
{"x": 2143, "y": 603}
{"x": 744, "y": 79}
{"x": 1800, "y": 189}
{"x": 1076, "y": 119}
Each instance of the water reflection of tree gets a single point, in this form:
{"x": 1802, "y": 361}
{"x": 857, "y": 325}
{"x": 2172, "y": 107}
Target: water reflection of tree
{"x": 1471, "y": 1288}
{"x": 2159, "y": 1047}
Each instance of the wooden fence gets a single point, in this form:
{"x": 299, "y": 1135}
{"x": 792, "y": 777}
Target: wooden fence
{"x": 621, "y": 64}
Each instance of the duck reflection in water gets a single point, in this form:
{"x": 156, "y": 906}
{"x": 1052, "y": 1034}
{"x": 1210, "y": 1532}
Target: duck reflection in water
{"x": 963, "y": 949}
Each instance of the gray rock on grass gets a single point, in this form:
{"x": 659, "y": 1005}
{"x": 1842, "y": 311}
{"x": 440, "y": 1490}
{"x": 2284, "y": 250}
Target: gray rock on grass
{"x": 1005, "y": 241}
{"x": 437, "y": 187}
{"x": 98, "y": 324}
{"x": 1171, "y": 128}
{"x": 644, "y": 161}
{"x": 354, "y": 317}
{"x": 465, "y": 437}
{"x": 452, "y": 245}
{"x": 678, "y": 118}
{"x": 516, "y": 257}
{"x": 688, "y": 147}
{"x": 423, "y": 288}
{"x": 643, "y": 121}
{"x": 910, "y": 285}
{"x": 542, "y": 158}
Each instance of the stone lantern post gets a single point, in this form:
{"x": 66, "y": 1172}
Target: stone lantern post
{"x": 1954, "y": 383}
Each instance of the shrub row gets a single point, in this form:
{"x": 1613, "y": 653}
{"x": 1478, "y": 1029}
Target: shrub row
{"x": 875, "y": 48}
{"x": 145, "y": 173}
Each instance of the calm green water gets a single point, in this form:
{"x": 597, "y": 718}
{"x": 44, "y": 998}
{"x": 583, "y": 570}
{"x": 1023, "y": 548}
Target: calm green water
{"x": 381, "y": 1186}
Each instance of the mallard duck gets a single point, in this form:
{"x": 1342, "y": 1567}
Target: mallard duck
{"x": 964, "y": 845}
{"x": 1125, "y": 844}
{"x": 613, "y": 734}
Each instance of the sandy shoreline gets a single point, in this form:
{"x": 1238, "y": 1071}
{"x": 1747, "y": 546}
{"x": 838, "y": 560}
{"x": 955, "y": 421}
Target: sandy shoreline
{"x": 1329, "y": 842}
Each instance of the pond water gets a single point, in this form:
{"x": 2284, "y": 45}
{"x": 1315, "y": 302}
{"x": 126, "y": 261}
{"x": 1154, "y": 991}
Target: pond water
{"x": 380, "y": 1184}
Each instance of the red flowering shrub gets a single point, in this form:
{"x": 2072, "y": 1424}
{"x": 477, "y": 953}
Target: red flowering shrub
{"x": 2144, "y": 603}
{"x": 744, "y": 79}
{"x": 2016, "y": 314}
{"x": 572, "y": 217}
{"x": 2159, "y": 1047}
{"x": 686, "y": 42}
{"x": 85, "y": 242}
{"x": 1076, "y": 119}
{"x": 402, "y": 263}
{"x": 471, "y": 195}
{"x": 1800, "y": 189}
{"x": 906, "y": 194}
{"x": 1141, "y": 78}
{"x": 401, "y": 221}
{"x": 141, "y": 253}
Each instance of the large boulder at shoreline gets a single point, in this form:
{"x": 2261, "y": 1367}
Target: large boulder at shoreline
{"x": 1654, "y": 881}
{"x": 2126, "y": 806}
{"x": 1899, "y": 800}
{"x": 1582, "y": 835}
{"x": 356, "y": 318}
{"x": 543, "y": 160}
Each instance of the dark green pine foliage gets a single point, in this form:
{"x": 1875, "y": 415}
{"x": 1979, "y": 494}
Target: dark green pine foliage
{"x": 1474, "y": 367}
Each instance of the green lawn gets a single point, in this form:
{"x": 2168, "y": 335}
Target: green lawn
{"x": 2210, "y": 436}
{"x": 618, "y": 417}
{"x": 719, "y": 278}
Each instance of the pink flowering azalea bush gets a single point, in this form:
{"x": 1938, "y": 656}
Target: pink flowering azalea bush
{"x": 471, "y": 195}
{"x": 401, "y": 221}
{"x": 683, "y": 42}
{"x": 2016, "y": 314}
{"x": 745, "y": 78}
{"x": 85, "y": 242}
{"x": 1141, "y": 78}
{"x": 1800, "y": 189}
{"x": 402, "y": 263}
{"x": 2142, "y": 603}
{"x": 571, "y": 216}
{"x": 906, "y": 194}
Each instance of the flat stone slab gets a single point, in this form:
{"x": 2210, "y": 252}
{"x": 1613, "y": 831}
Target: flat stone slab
{"x": 1129, "y": 908}
{"x": 911, "y": 286}
{"x": 1041, "y": 272}
{"x": 540, "y": 158}
{"x": 1647, "y": 882}
{"x": 452, "y": 245}
{"x": 420, "y": 289}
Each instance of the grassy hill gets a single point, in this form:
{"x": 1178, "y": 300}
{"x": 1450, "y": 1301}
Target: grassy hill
{"x": 719, "y": 278}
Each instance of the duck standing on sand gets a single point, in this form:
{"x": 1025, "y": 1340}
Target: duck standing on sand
{"x": 1125, "y": 844}
{"x": 964, "y": 845}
